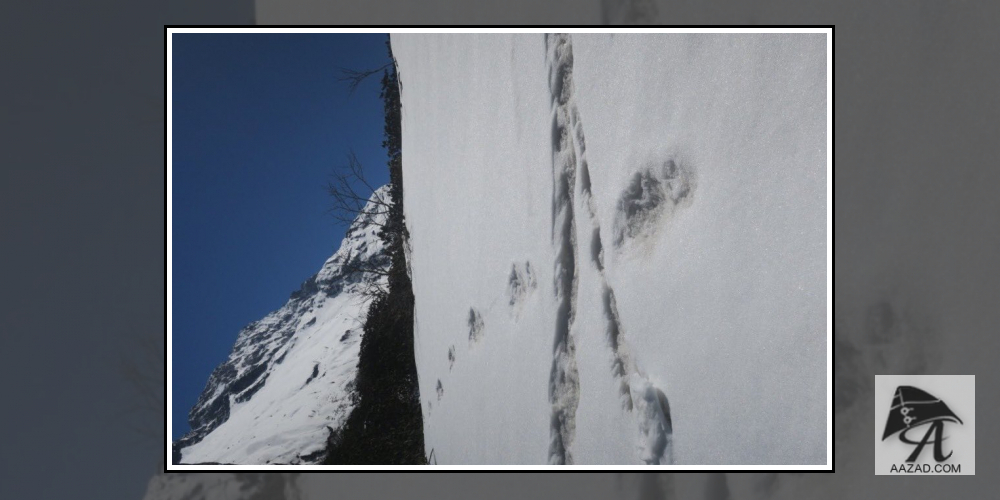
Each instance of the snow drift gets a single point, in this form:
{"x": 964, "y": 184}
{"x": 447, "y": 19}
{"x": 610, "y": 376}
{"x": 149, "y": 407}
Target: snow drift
{"x": 618, "y": 246}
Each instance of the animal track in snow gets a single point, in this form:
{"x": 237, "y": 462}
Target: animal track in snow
{"x": 655, "y": 426}
{"x": 646, "y": 402}
{"x": 621, "y": 364}
{"x": 451, "y": 357}
{"x": 440, "y": 390}
{"x": 475, "y": 326}
{"x": 564, "y": 380}
{"x": 651, "y": 197}
{"x": 520, "y": 283}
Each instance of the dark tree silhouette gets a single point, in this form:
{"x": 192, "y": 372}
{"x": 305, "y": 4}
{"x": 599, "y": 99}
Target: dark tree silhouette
{"x": 351, "y": 206}
{"x": 386, "y": 424}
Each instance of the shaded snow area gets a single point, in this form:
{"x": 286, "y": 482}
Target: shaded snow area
{"x": 618, "y": 246}
{"x": 287, "y": 381}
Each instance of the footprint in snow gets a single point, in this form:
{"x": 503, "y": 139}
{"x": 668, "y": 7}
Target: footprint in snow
{"x": 475, "y": 326}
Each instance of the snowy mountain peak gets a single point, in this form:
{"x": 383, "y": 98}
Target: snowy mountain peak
{"x": 362, "y": 243}
{"x": 287, "y": 379}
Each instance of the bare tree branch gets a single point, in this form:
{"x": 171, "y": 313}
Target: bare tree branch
{"x": 347, "y": 186}
{"x": 355, "y": 77}
{"x": 353, "y": 206}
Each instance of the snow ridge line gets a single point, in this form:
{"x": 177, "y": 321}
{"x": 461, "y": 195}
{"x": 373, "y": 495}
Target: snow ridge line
{"x": 564, "y": 379}
{"x": 638, "y": 395}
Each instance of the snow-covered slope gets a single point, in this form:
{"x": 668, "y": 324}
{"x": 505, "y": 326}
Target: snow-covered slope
{"x": 288, "y": 376}
{"x": 639, "y": 275}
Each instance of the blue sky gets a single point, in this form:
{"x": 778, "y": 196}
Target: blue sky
{"x": 260, "y": 121}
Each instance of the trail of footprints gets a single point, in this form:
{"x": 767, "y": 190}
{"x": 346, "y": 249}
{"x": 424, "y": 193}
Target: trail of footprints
{"x": 520, "y": 284}
{"x": 564, "y": 378}
{"x": 639, "y": 206}
{"x": 571, "y": 173}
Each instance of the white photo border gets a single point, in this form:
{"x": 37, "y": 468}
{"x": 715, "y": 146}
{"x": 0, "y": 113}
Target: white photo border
{"x": 828, "y": 467}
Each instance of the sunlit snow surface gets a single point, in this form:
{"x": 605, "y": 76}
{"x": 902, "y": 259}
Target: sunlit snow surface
{"x": 618, "y": 246}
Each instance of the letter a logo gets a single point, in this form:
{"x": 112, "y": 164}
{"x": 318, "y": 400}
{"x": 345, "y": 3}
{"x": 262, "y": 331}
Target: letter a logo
{"x": 912, "y": 407}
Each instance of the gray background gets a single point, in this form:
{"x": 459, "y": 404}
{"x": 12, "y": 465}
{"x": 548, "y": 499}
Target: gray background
{"x": 82, "y": 229}
{"x": 81, "y": 205}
